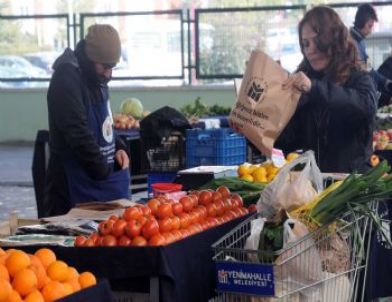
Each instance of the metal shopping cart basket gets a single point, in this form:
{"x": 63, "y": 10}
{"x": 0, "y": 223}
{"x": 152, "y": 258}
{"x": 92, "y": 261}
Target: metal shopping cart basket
{"x": 326, "y": 265}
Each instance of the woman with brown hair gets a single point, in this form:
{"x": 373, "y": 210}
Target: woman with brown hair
{"x": 336, "y": 112}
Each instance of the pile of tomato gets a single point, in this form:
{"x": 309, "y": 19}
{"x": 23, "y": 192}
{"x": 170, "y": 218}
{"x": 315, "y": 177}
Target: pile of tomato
{"x": 163, "y": 221}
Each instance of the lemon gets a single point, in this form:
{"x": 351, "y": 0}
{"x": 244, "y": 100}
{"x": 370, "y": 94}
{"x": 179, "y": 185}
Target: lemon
{"x": 271, "y": 170}
{"x": 260, "y": 178}
{"x": 247, "y": 177}
{"x": 244, "y": 169}
{"x": 291, "y": 156}
{"x": 259, "y": 172}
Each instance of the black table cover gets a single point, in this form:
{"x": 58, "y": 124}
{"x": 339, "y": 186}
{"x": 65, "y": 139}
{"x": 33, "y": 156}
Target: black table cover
{"x": 185, "y": 268}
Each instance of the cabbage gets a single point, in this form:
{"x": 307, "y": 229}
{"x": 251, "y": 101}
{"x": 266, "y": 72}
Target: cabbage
{"x": 132, "y": 106}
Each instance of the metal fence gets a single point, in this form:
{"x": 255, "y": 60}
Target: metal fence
{"x": 173, "y": 47}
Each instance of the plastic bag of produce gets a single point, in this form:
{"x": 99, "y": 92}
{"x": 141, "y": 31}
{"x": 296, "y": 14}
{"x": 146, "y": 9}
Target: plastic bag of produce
{"x": 252, "y": 242}
{"x": 291, "y": 189}
{"x": 263, "y": 109}
{"x": 299, "y": 265}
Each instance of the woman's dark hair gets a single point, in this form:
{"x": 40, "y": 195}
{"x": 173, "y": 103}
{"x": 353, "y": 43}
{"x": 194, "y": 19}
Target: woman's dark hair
{"x": 365, "y": 12}
{"x": 334, "y": 40}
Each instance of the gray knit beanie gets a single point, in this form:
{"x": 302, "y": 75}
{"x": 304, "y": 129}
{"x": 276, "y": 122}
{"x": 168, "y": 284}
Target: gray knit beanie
{"x": 103, "y": 44}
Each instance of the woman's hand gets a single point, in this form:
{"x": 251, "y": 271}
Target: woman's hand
{"x": 299, "y": 81}
{"x": 122, "y": 159}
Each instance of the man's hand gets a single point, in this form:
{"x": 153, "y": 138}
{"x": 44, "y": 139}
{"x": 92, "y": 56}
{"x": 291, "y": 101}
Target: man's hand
{"x": 122, "y": 159}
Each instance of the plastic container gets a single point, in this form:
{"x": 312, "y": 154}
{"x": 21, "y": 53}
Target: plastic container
{"x": 169, "y": 190}
{"x": 158, "y": 177}
{"x": 210, "y": 147}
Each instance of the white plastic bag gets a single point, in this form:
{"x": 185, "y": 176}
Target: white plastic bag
{"x": 291, "y": 189}
{"x": 300, "y": 264}
{"x": 252, "y": 242}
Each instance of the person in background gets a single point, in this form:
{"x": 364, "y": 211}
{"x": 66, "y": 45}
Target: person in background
{"x": 365, "y": 18}
{"x": 336, "y": 111}
{"x": 87, "y": 162}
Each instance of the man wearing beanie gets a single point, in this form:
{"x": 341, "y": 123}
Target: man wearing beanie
{"x": 87, "y": 162}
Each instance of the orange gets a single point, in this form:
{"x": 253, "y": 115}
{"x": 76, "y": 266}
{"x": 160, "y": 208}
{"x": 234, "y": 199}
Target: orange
{"x": 58, "y": 271}
{"x": 2, "y": 252}
{"x": 46, "y": 256}
{"x": 25, "y": 282}
{"x": 68, "y": 288}
{"x": 14, "y": 297}
{"x": 52, "y": 291}
{"x": 17, "y": 261}
{"x": 4, "y": 273}
{"x": 87, "y": 279}
{"x": 75, "y": 284}
{"x": 34, "y": 296}
{"x": 72, "y": 273}
{"x": 5, "y": 290}
{"x": 39, "y": 270}
{"x": 3, "y": 258}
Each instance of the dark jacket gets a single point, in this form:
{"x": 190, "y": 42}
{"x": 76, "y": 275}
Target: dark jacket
{"x": 74, "y": 85}
{"x": 336, "y": 122}
{"x": 378, "y": 78}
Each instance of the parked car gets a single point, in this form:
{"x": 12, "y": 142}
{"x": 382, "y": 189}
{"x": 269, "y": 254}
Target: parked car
{"x": 19, "y": 67}
{"x": 42, "y": 60}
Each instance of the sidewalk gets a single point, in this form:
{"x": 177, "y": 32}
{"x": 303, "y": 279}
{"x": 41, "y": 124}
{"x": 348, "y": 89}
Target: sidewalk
{"x": 16, "y": 184}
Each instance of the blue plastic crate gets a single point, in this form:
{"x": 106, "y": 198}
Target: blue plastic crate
{"x": 153, "y": 178}
{"x": 219, "y": 146}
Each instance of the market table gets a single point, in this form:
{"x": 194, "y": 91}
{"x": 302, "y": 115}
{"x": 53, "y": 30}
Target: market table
{"x": 181, "y": 271}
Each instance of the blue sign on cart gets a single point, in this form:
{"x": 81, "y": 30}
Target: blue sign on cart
{"x": 247, "y": 278}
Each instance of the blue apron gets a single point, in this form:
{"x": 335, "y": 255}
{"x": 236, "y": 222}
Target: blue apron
{"x": 81, "y": 187}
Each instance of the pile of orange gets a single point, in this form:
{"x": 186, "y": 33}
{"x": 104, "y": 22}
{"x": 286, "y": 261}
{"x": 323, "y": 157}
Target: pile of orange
{"x": 38, "y": 277}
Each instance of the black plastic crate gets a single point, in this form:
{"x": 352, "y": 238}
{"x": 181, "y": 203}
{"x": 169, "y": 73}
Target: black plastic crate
{"x": 169, "y": 156}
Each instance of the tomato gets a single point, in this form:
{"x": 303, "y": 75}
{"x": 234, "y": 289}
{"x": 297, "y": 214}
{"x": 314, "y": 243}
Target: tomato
{"x": 119, "y": 228}
{"x": 216, "y": 196}
{"x": 211, "y": 210}
{"x": 187, "y": 203}
{"x": 205, "y": 197}
{"x": 132, "y": 213}
{"x": 252, "y": 208}
{"x": 124, "y": 241}
{"x": 165, "y": 225}
{"x": 109, "y": 240}
{"x": 105, "y": 227}
{"x": 98, "y": 241}
{"x": 237, "y": 197}
{"x": 113, "y": 217}
{"x": 143, "y": 219}
{"x": 80, "y": 240}
{"x": 184, "y": 220}
{"x": 238, "y": 212}
{"x": 169, "y": 237}
{"x": 177, "y": 208}
{"x": 153, "y": 204}
{"x": 94, "y": 237}
{"x": 244, "y": 211}
{"x": 150, "y": 228}
{"x": 228, "y": 204}
{"x": 145, "y": 210}
{"x": 231, "y": 214}
{"x": 175, "y": 223}
{"x": 195, "y": 199}
{"x": 89, "y": 242}
{"x": 139, "y": 241}
{"x": 203, "y": 212}
{"x": 193, "y": 217}
{"x": 157, "y": 240}
{"x": 225, "y": 192}
{"x": 164, "y": 211}
{"x": 177, "y": 235}
{"x": 133, "y": 228}
{"x": 185, "y": 233}
{"x": 220, "y": 207}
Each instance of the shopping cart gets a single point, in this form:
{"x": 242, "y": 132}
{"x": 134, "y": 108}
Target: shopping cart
{"x": 325, "y": 265}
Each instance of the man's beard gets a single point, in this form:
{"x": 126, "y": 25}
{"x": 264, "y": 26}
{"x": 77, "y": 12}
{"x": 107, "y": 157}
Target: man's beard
{"x": 103, "y": 79}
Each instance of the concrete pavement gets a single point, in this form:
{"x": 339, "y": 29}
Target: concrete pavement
{"x": 16, "y": 183}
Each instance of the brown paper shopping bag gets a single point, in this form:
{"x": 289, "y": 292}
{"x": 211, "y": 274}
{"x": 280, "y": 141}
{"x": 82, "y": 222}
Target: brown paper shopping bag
{"x": 263, "y": 109}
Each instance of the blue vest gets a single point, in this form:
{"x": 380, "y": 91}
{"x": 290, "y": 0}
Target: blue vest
{"x": 81, "y": 187}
